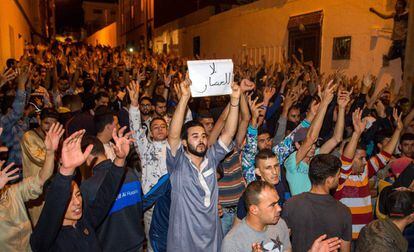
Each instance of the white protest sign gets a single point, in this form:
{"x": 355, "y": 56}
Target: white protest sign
{"x": 210, "y": 77}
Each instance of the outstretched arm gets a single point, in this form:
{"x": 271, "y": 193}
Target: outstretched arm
{"x": 316, "y": 125}
{"x": 233, "y": 118}
{"x": 178, "y": 117}
{"x": 343, "y": 99}
{"x": 381, "y": 15}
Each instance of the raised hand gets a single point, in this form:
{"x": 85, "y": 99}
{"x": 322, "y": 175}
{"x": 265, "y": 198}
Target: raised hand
{"x": 328, "y": 93}
{"x": 53, "y": 137}
{"x": 122, "y": 142}
{"x": 367, "y": 80}
{"x": 380, "y": 109}
{"x": 7, "y": 76}
{"x": 167, "y": 80}
{"x": 359, "y": 124}
{"x": 72, "y": 155}
{"x": 247, "y": 85}
{"x": 6, "y": 175}
{"x": 255, "y": 109}
{"x": 133, "y": 91}
{"x": 397, "y": 119}
{"x": 185, "y": 88}
{"x": 328, "y": 245}
{"x": 268, "y": 93}
{"x": 22, "y": 76}
{"x": 235, "y": 91}
{"x": 344, "y": 97}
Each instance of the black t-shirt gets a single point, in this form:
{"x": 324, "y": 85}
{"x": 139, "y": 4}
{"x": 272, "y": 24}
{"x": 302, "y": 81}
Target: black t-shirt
{"x": 310, "y": 215}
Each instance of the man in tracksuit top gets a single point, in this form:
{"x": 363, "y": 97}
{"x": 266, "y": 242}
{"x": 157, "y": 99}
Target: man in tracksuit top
{"x": 64, "y": 224}
{"x": 122, "y": 228}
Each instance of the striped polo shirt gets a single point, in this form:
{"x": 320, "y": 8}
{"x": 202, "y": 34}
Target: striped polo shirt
{"x": 232, "y": 185}
{"x": 353, "y": 191}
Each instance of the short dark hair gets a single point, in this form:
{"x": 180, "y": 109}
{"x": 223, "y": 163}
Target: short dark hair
{"x": 399, "y": 204}
{"x": 381, "y": 135}
{"x": 403, "y": 2}
{"x": 101, "y": 94}
{"x": 49, "y": 113}
{"x": 264, "y": 154}
{"x": 68, "y": 100}
{"x": 204, "y": 115}
{"x": 98, "y": 147}
{"x": 187, "y": 126}
{"x": 144, "y": 98}
{"x": 252, "y": 192}
{"x": 263, "y": 130}
{"x": 158, "y": 99}
{"x": 102, "y": 118}
{"x": 157, "y": 118}
{"x": 407, "y": 137}
{"x": 323, "y": 166}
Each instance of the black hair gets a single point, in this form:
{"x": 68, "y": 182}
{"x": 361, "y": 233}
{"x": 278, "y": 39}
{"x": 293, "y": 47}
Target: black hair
{"x": 323, "y": 166}
{"x": 101, "y": 94}
{"x": 158, "y": 99}
{"x": 399, "y": 204}
{"x": 98, "y": 147}
{"x": 49, "y": 113}
{"x": 10, "y": 62}
{"x": 403, "y": 2}
{"x": 381, "y": 135}
{"x": 157, "y": 118}
{"x": 144, "y": 98}
{"x": 263, "y": 130}
{"x": 264, "y": 154}
{"x": 407, "y": 137}
{"x": 187, "y": 126}
{"x": 102, "y": 118}
{"x": 204, "y": 115}
{"x": 252, "y": 192}
{"x": 68, "y": 100}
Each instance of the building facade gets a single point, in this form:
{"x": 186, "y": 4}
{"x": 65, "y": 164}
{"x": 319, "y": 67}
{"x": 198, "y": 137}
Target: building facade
{"x": 24, "y": 21}
{"x": 324, "y": 29}
{"x": 98, "y": 14}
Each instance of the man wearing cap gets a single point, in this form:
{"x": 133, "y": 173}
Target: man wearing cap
{"x": 386, "y": 235}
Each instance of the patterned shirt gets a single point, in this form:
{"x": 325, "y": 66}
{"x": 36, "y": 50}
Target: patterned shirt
{"x": 282, "y": 150}
{"x": 152, "y": 153}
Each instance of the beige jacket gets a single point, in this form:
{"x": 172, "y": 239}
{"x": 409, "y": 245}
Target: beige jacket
{"x": 15, "y": 226}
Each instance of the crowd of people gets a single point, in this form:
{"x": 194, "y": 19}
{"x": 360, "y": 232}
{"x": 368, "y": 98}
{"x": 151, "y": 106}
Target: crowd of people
{"x": 106, "y": 150}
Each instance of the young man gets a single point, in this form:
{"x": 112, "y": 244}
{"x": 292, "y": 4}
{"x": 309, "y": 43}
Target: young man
{"x": 34, "y": 155}
{"x": 399, "y": 32}
{"x": 268, "y": 170}
{"x": 15, "y": 226}
{"x": 355, "y": 192}
{"x": 151, "y": 149}
{"x": 314, "y": 213}
{"x": 126, "y": 212}
{"x": 105, "y": 123}
{"x": 207, "y": 121}
{"x": 297, "y": 164}
{"x": 263, "y": 229}
{"x": 194, "y": 194}
{"x": 386, "y": 235}
{"x": 160, "y": 107}
{"x": 407, "y": 145}
{"x": 262, "y": 224}
{"x": 66, "y": 222}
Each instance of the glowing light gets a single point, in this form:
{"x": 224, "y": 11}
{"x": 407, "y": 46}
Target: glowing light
{"x": 131, "y": 49}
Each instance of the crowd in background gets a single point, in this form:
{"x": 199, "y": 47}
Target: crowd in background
{"x": 106, "y": 150}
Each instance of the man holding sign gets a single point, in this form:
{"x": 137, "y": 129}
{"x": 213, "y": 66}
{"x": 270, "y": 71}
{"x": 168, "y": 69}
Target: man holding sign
{"x": 194, "y": 221}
